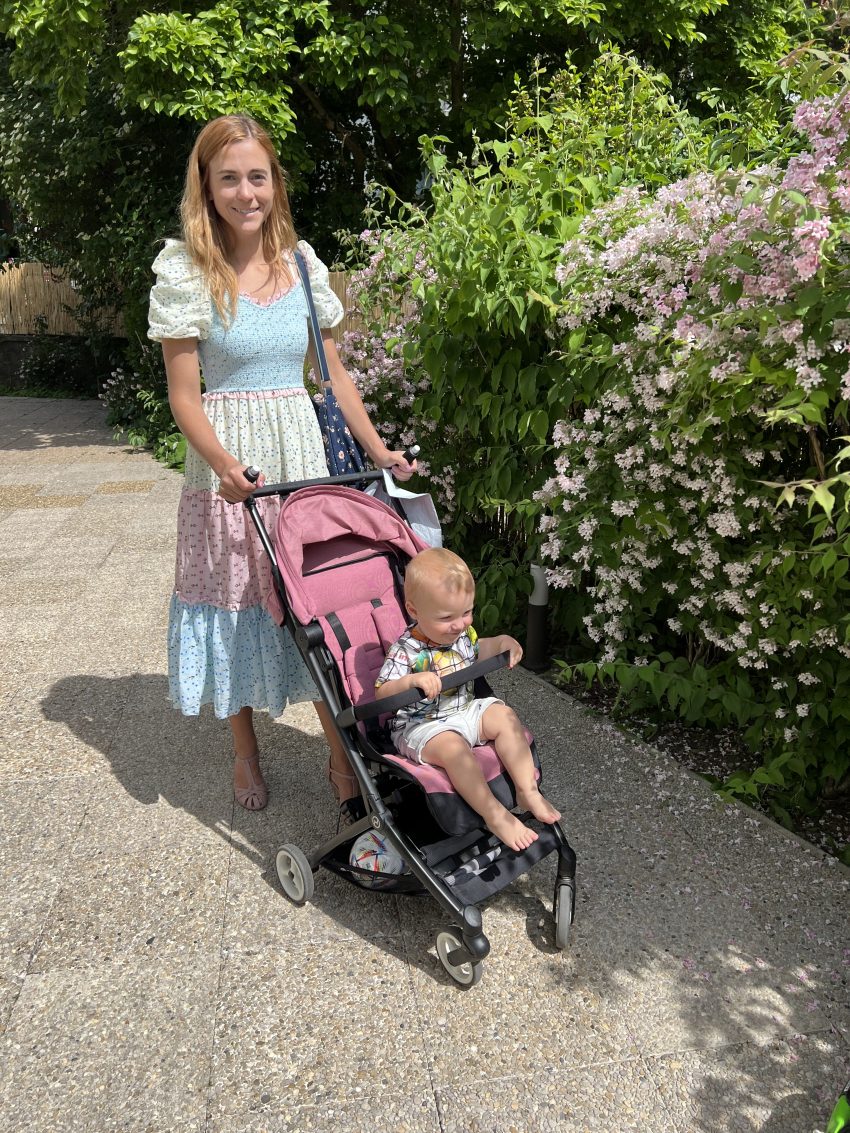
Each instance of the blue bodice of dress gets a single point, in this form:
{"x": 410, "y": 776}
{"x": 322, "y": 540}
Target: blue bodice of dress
{"x": 263, "y": 348}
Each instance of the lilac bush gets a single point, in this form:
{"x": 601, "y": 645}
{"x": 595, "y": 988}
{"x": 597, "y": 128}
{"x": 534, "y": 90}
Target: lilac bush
{"x": 698, "y": 500}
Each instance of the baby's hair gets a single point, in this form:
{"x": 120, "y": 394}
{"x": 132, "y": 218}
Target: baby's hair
{"x": 205, "y": 232}
{"x": 437, "y": 566}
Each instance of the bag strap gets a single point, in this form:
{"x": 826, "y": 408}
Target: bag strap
{"x": 318, "y": 345}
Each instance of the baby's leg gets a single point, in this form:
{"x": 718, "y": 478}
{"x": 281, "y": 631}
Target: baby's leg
{"x": 501, "y": 725}
{"x": 450, "y": 751}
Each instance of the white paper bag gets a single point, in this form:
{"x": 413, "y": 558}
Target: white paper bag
{"x": 417, "y": 508}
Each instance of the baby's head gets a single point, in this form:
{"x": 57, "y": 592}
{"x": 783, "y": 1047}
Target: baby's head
{"x": 439, "y": 593}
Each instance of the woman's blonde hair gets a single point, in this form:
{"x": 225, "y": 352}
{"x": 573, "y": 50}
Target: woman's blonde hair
{"x": 205, "y": 233}
{"x": 437, "y": 566}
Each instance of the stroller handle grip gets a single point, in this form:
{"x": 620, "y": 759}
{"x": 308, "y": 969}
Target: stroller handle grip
{"x": 390, "y": 704}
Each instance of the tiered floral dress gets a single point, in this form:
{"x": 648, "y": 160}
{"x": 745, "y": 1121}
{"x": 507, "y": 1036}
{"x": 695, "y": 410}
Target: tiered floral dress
{"x": 224, "y": 648}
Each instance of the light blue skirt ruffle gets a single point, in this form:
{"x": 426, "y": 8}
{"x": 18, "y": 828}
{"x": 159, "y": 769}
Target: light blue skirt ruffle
{"x": 233, "y": 659}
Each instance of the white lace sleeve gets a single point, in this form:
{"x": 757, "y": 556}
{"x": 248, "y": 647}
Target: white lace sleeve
{"x": 180, "y": 305}
{"x": 329, "y": 309}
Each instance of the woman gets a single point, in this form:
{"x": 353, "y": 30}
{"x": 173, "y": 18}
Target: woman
{"x": 228, "y": 301}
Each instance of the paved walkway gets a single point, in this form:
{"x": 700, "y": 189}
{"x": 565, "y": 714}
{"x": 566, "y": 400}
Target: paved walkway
{"x": 153, "y": 978}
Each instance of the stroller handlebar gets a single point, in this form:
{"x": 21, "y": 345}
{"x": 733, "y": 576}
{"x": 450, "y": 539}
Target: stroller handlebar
{"x": 390, "y": 704}
{"x": 284, "y": 489}
{"x": 294, "y": 485}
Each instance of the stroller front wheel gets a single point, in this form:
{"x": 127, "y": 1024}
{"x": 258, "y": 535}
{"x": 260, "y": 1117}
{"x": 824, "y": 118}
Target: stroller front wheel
{"x": 466, "y": 974}
{"x": 563, "y": 911}
{"x": 294, "y": 874}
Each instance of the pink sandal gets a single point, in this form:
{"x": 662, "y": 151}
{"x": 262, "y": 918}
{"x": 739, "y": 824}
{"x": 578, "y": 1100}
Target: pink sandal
{"x": 256, "y": 796}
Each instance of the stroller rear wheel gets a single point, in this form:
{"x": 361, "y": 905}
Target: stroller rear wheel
{"x": 468, "y": 973}
{"x": 294, "y": 874}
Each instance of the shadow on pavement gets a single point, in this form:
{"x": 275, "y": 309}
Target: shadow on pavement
{"x": 726, "y": 1000}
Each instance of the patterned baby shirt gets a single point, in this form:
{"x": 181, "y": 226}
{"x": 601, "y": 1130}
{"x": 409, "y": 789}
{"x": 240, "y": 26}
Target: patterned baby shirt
{"x": 415, "y": 653}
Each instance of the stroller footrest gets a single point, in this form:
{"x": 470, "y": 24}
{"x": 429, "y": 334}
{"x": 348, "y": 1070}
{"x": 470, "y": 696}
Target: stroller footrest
{"x": 492, "y": 870}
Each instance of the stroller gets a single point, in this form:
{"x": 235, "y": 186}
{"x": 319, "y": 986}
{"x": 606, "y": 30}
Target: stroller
{"x": 338, "y": 561}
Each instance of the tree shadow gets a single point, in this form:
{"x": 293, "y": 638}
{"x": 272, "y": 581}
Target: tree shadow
{"x": 33, "y": 424}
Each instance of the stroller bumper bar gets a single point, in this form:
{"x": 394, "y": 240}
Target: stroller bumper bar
{"x": 390, "y": 704}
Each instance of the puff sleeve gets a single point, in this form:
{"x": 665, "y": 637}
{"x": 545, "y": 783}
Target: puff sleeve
{"x": 180, "y": 305}
{"x": 329, "y": 309}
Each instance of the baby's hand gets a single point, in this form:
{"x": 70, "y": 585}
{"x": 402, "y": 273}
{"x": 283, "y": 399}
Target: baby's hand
{"x": 513, "y": 647}
{"x": 429, "y": 683}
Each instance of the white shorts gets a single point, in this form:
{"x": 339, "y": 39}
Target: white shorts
{"x": 466, "y": 722}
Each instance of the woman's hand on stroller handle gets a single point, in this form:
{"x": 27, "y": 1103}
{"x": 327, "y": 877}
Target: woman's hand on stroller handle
{"x": 390, "y": 704}
{"x": 235, "y": 483}
{"x": 355, "y": 479}
{"x": 402, "y": 465}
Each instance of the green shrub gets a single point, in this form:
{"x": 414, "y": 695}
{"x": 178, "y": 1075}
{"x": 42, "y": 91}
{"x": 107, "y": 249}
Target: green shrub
{"x": 458, "y": 304}
{"x": 699, "y": 501}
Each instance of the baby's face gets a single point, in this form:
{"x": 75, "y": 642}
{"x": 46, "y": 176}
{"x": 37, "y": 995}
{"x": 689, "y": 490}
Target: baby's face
{"x": 442, "y": 614}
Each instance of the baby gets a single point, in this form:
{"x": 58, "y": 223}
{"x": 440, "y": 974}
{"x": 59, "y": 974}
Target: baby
{"x": 443, "y": 728}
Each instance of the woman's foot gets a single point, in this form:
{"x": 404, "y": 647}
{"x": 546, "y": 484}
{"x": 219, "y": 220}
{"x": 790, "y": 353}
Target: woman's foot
{"x": 539, "y": 806}
{"x": 515, "y": 834}
{"x": 249, "y": 786}
{"x": 346, "y": 790}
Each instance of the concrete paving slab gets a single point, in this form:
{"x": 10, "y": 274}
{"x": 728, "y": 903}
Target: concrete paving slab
{"x": 56, "y": 726}
{"x": 155, "y": 904}
{"x": 259, "y": 917}
{"x": 323, "y": 1047}
{"x": 153, "y": 976}
{"x": 787, "y": 1087}
{"x": 614, "y": 1095}
{"x": 531, "y": 1013}
{"x": 28, "y": 897}
{"x": 26, "y": 534}
{"x": 119, "y": 1047}
{"x": 714, "y": 1010}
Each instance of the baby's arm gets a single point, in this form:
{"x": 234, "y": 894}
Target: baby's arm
{"x": 429, "y": 684}
{"x": 396, "y": 676}
{"x": 491, "y": 646}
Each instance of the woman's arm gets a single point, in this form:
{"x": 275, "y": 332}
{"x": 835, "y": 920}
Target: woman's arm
{"x": 354, "y": 412}
{"x": 184, "y": 396}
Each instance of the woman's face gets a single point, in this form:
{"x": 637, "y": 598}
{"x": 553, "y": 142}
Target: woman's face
{"x": 239, "y": 184}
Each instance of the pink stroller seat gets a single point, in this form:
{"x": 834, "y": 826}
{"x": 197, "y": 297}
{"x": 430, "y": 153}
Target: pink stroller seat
{"x": 341, "y": 555}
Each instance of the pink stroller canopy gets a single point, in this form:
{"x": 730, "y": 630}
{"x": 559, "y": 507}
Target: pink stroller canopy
{"x": 324, "y": 526}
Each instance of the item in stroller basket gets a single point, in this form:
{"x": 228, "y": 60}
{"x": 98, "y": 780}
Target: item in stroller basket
{"x": 372, "y": 852}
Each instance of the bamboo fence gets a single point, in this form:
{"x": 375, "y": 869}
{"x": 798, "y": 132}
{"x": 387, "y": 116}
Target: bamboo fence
{"x": 30, "y": 293}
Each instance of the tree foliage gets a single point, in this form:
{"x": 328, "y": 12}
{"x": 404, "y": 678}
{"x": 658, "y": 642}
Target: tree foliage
{"x": 346, "y": 89}
{"x": 459, "y": 301}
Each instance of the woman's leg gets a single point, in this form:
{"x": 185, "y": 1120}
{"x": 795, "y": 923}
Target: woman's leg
{"x": 249, "y": 786}
{"x": 343, "y": 779}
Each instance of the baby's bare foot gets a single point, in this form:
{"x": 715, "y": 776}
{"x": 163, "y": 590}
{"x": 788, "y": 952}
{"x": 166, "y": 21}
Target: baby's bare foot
{"x": 539, "y": 806}
{"x": 512, "y": 832}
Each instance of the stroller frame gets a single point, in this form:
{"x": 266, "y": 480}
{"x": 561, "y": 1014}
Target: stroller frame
{"x": 463, "y": 947}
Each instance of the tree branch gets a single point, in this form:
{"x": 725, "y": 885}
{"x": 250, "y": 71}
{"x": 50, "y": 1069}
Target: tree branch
{"x": 346, "y": 137}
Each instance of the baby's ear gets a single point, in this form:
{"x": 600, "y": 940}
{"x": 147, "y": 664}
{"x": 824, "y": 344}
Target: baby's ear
{"x": 411, "y": 609}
